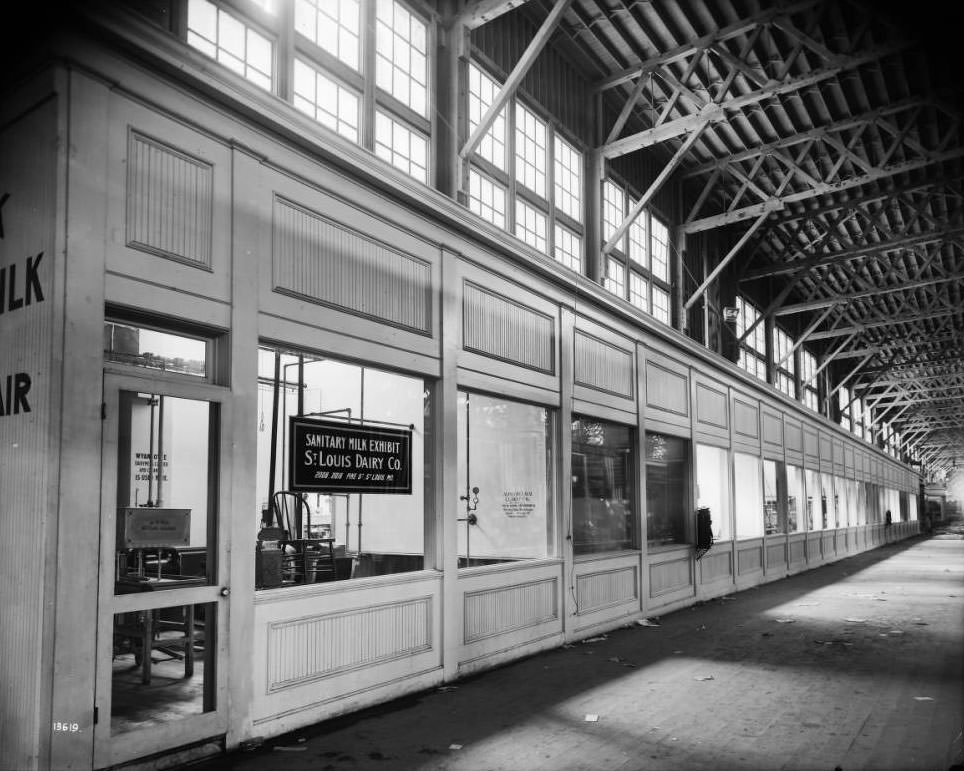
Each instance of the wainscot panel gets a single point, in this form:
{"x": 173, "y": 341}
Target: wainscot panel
{"x": 814, "y": 551}
{"x": 715, "y": 566}
{"x": 797, "y": 546}
{"x": 320, "y": 647}
{"x": 606, "y": 589}
{"x": 496, "y": 611}
{"x": 310, "y": 648}
{"x": 507, "y": 610}
{"x": 827, "y": 545}
{"x": 777, "y": 556}
{"x": 670, "y": 576}
{"x": 749, "y": 558}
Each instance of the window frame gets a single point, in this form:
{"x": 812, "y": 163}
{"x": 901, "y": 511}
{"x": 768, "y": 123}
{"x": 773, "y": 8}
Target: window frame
{"x": 508, "y": 177}
{"x": 290, "y": 43}
{"x": 635, "y": 249}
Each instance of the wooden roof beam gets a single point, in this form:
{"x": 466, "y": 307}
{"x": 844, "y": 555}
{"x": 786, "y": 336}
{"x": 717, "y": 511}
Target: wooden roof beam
{"x": 877, "y": 324}
{"x": 723, "y": 263}
{"x": 778, "y": 202}
{"x": 716, "y": 112}
{"x": 736, "y": 29}
{"x": 817, "y": 261}
{"x": 480, "y": 12}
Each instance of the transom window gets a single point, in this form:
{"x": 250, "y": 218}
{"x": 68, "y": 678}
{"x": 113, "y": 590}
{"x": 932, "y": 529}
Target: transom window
{"x": 753, "y": 351}
{"x": 538, "y": 196}
{"x": 640, "y": 257}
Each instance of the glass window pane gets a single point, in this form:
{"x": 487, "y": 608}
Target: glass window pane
{"x": 487, "y": 198}
{"x": 614, "y": 207}
{"x": 659, "y": 253}
{"x": 660, "y": 304}
{"x": 332, "y": 534}
{"x": 567, "y": 248}
{"x": 567, "y": 180}
{"x": 666, "y": 490}
{"x": 814, "y": 515}
{"x": 482, "y": 92}
{"x": 713, "y": 487}
{"x": 772, "y": 520}
{"x": 142, "y": 347}
{"x": 162, "y": 664}
{"x": 163, "y": 492}
{"x": 504, "y": 466}
{"x": 795, "y": 499}
{"x": 530, "y": 225}
{"x": 603, "y": 516}
{"x": 530, "y": 150}
{"x": 749, "y": 502}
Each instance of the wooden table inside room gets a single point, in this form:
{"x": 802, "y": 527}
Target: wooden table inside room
{"x": 145, "y": 626}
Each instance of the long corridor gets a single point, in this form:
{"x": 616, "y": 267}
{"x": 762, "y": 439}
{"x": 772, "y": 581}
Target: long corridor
{"x": 858, "y": 665}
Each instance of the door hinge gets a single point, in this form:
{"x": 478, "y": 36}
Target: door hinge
{"x": 103, "y": 410}
{"x": 95, "y": 714}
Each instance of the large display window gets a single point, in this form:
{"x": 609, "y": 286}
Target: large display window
{"x": 796, "y": 499}
{"x": 351, "y": 524}
{"x": 505, "y": 507}
{"x": 666, "y": 490}
{"x": 749, "y": 506}
{"x": 713, "y": 487}
{"x": 816, "y": 506}
{"x": 773, "y": 495}
{"x": 603, "y": 468}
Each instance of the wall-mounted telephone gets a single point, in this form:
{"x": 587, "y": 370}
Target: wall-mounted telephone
{"x": 704, "y": 531}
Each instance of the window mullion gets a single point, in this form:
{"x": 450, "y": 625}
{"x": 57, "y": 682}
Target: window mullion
{"x": 366, "y": 134}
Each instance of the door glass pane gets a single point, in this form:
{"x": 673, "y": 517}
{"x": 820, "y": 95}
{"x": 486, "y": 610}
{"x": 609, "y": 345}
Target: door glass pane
{"x": 162, "y": 665}
{"x": 163, "y": 493}
{"x": 505, "y": 509}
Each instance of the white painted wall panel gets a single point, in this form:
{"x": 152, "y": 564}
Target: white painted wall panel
{"x": 603, "y": 366}
{"x": 321, "y": 260}
{"x": 496, "y": 326}
{"x": 310, "y": 648}
{"x": 27, "y": 454}
{"x": 609, "y": 587}
{"x": 500, "y": 610}
{"x": 170, "y": 204}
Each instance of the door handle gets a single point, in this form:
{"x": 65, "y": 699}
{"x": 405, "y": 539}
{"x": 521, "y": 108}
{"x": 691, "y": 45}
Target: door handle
{"x": 225, "y": 591}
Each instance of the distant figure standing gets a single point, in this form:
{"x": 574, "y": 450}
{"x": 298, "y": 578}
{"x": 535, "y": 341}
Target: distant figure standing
{"x": 887, "y": 519}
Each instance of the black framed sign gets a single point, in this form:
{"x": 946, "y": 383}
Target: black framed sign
{"x": 327, "y": 456}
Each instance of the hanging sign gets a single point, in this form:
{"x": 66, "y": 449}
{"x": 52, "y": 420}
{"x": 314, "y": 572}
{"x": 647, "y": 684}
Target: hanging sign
{"x": 327, "y": 456}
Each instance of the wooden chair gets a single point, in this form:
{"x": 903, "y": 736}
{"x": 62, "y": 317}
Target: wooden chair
{"x": 305, "y": 560}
